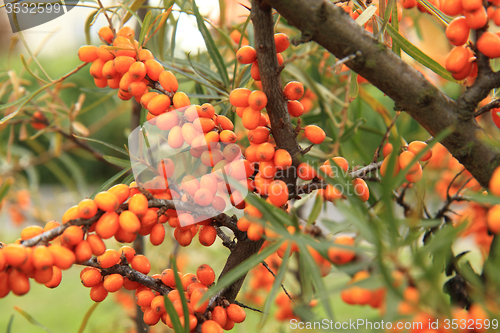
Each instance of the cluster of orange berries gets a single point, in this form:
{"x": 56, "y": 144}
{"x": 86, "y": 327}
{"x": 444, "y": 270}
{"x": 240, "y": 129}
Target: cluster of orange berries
{"x": 356, "y": 295}
{"x": 123, "y": 64}
{"x": 405, "y": 159}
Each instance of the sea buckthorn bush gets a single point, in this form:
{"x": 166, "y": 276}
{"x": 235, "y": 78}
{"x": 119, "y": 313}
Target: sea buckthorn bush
{"x": 300, "y": 171}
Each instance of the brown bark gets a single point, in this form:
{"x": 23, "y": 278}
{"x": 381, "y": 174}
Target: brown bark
{"x": 328, "y": 25}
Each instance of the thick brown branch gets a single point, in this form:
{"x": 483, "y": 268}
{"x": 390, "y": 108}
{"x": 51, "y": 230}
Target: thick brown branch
{"x": 282, "y": 128}
{"x": 331, "y": 27}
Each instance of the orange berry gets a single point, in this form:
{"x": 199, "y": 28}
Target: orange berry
{"x": 489, "y": 45}
{"x": 121, "y": 191}
{"x": 471, "y": 5}
{"x": 405, "y": 158}
{"x": 137, "y": 70}
{"x": 180, "y": 100}
{"x": 314, "y": 134}
{"x": 168, "y": 81}
{"x": 106, "y": 201}
{"x": 476, "y": 19}
{"x": 104, "y": 54}
{"x": 206, "y": 110}
{"x": 385, "y": 166}
{"x": 205, "y": 274}
{"x": 83, "y": 251}
{"x": 72, "y": 235}
{"x": 158, "y": 304}
{"x": 415, "y": 176}
{"x": 96, "y": 243}
{"x": 19, "y": 282}
{"x": 295, "y": 108}
{"x": 258, "y": 135}
{"x": 98, "y": 293}
{"x": 306, "y": 171}
{"x": 159, "y": 104}
{"x": 219, "y": 315}
{"x": 138, "y": 204}
{"x": 278, "y": 193}
{"x": 42, "y": 258}
{"x": 123, "y": 63}
{"x": 106, "y": 34}
{"x": 113, "y": 282}
{"x": 341, "y": 256}
{"x": 56, "y": 278}
{"x": 255, "y": 72}
{"x": 167, "y": 121}
{"x": 207, "y": 235}
{"x": 175, "y": 137}
{"x": 236, "y": 313}
{"x": 293, "y": 90}
{"x": 141, "y": 264}
{"x": 15, "y": 255}
{"x": 157, "y": 235}
{"x": 387, "y": 149}
{"x": 458, "y": 31}
{"x": 87, "y": 53}
{"x": 250, "y": 118}
{"x": 417, "y": 146}
{"x": 145, "y": 54}
{"x": 153, "y": 69}
{"x": 265, "y": 152}
{"x": 63, "y": 257}
{"x": 246, "y": 55}
{"x": 188, "y": 279}
{"x": 126, "y": 32}
{"x": 109, "y": 258}
{"x": 31, "y": 231}
{"x": 70, "y": 214}
{"x": 128, "y": 252}
{"x": 239, "y": 97}
{"x": 255, "y": 231}
{"x": 227, "y": 136}
{"x": 144, "y": 297}
{"x": 361, "y": 189}
{"x": 282, "y": 42}
{"x": 129, "y": 221}
{"x": 450, "y": 7}
{"x": 87, "y": 208}
{"x": 332, "y": 193}
{"x": 90, "y": 277}
{"x": 43, "y": 275}
{"x": 51, "y": 225}
{"x": 457, "y": 59}
{"x": 211, "y": 326}
{"x": 198, "y": 306}
{"x": 257, "y": 100}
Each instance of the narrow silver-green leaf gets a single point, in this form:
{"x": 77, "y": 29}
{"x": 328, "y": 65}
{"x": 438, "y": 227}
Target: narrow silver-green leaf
{"x": 118, "y": 149}
{"x": 212, "y": 49}
{"x": 133, "y": 8}
{"x": 117, "y": 161}
{"x": 316, "y": 209}
{"x": 31, "y": 319}
{"x": 145, "y": 27}
{"x": 418, "y": 55}
{"x": 86, "y": 318}
{"x": 178, "y": 284}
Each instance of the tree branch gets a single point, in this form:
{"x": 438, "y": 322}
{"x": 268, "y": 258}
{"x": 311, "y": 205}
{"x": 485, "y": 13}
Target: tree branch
{"x": 331, "y": 27}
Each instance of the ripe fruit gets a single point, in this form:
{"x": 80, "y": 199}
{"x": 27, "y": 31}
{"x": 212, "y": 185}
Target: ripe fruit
{"x": 236, "y": 313}
{"x": 282, "y": 42}
{"x": 98, "y": 293}
{"x": 457, "y": 59}
{"x": 476, "y": 19}
{"x": 15, "y": 254}
{"x": 107, "y": 225}
{"x": 87, "y": 53}
{"x": 341, "y": 256}
{"x": 141, "y": 264}
{"x": 417, "y": 146}
{"x": 489, "y": 45}
{"x": 129, "y": 221}
{"x": 19, "y": 283}
{"x": 138, "y": 204}
{"x": 282, "y": 159}
{"x": 493, "y": 219}
{"x": 109, "y": 258}
{"x": 168, "y": 81}
{"x": 72, "y": 235}
{"x": 153, "y": 69}
{"x": 63, "y": 257}
{"x": 106, "y": 201}
{"x": 314, "y": 134}
{"x": 205, "y": 274}
{"x": 113, "y": 282}
{"x": 56, "y": 278}
{"x": 246, "y": 55}
{"x": 278, "y": 193}
{"x": 458, "y": 31}
{"x": 494, "y": 184}
{"x": 257, "y": 100}
{"x": 211, "y": 326}
{"x": 87, "y": 208}
{"x": 239, "y": 97}
{"x": 293, "y": 90}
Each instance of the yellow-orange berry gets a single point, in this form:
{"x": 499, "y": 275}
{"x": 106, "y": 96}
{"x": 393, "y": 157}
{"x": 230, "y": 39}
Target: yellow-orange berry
{"x": 87, "y": 53}
{"x": 106, "y": 34}
{"x": 113, "y": 282}
{"x": 236, "y": 313}
{"x": 314, "y": 134}
{"x": 106, "y": 201}
{"x": 109, "y": 258}
{"x": 153, "y": 69}
{"x": 239, "y": 97}
{"x": 141, "y": 264}
{"x": 293, "y": 90}
{"x": 282, "y": 42}
{"x": 246, "y": 55}
{"x": 168, "y": 81}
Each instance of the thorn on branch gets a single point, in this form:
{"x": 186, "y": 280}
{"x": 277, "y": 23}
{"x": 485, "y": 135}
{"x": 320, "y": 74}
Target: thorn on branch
{"x": 488, "y": 107}
{"x": 247, "y": 307}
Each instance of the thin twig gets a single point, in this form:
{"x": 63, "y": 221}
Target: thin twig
{"x": 384, "y": 139}
{"x": 264, "y": 263}
{"x": 487, "y": 108}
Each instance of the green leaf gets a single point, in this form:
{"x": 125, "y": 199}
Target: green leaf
{"x": 313, "y": 271}
{"x": 278, "y": 280}
{"x": 117, "y": 161}
{"x": 25, "y": 64}
{"x": 86, "y": 318}
{"x": 395, "y": 24}
{"x": 178, "y": 284}
{"x": 435, "y": 11}
{"x": 8, "y": 105}
{"x": 145, "y": 26}
{"x": 9, "y": 325}
{"x": 351, "y": 131}
{"x": 481, "y": 198}
{"x": 133, "y": 8}
{"x": 212, "y": 48}
{"x": 241, "y": 269}
{"x": 174, "y": 317}
{"x": 366, "y": 15}
{"x": 353, "y": 92}
{"x": 31, "y": 319}
{"x": 107, "y": 184}
{"x": 418, "y": 55}
{"x": 4, "y": 189}
{"x": 131, "y": 12}
{"x": 118, "y": 149}
{"x": 316, "y": 209}
{"x": 88, "y": 23}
